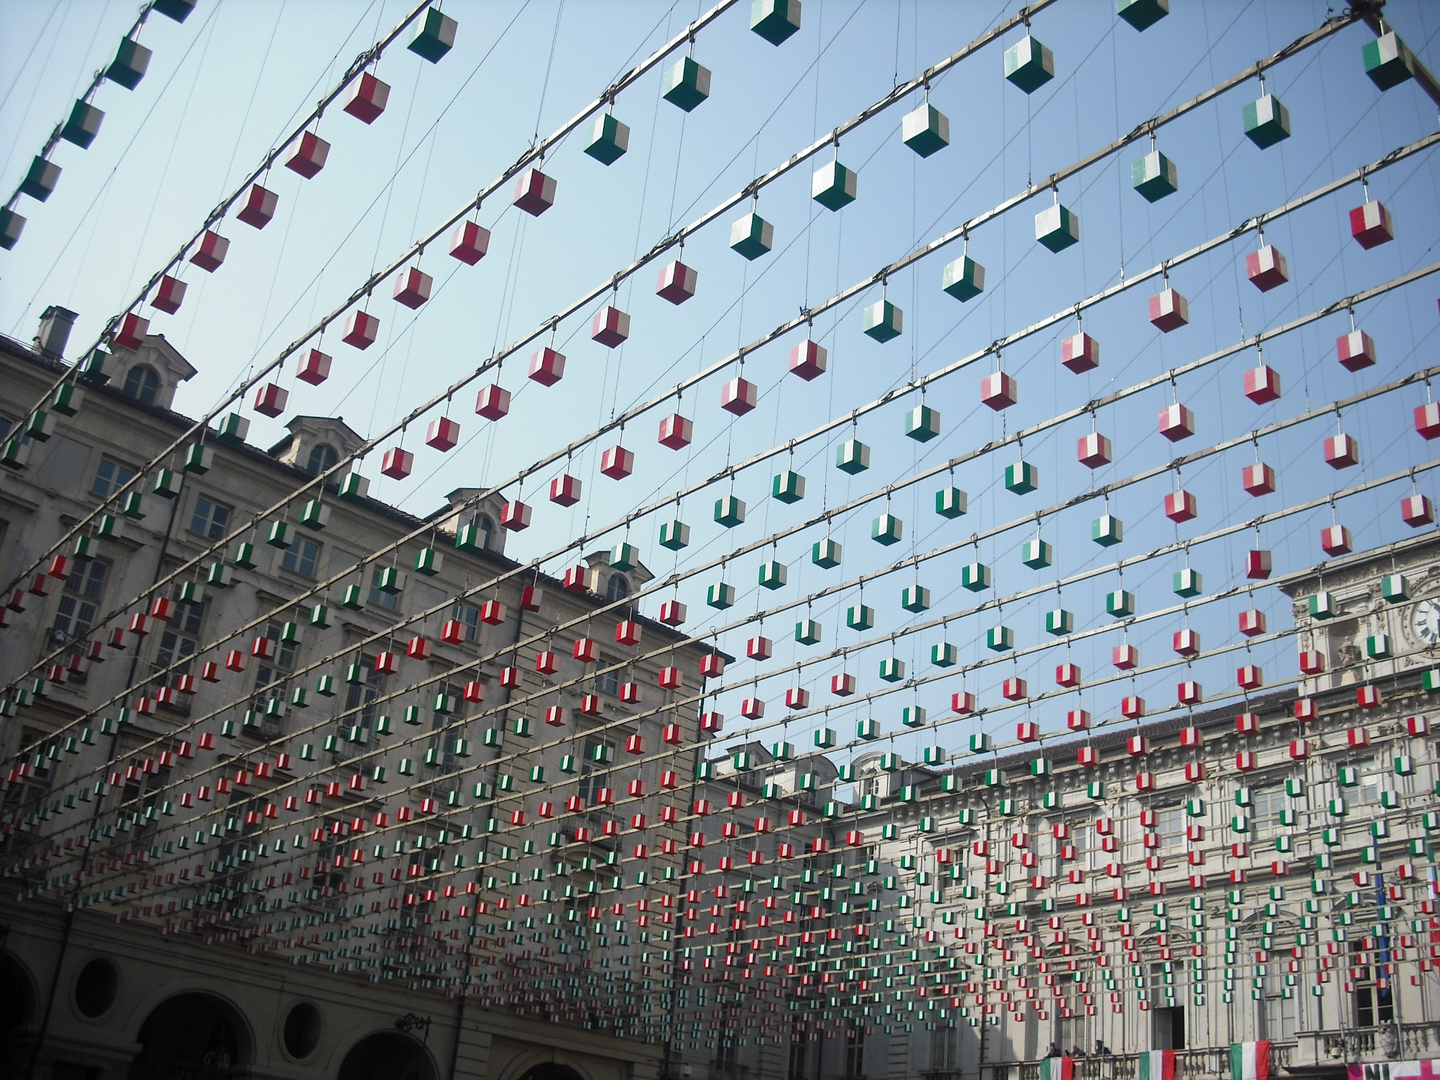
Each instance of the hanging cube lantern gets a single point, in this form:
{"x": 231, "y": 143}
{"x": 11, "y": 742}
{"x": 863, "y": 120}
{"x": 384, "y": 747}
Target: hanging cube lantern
{"x": 443, "y": 434}
{"x": 11, "y": 226}
{"x": 1258, "y": 564}
{"x": 826, "y": 554}
{"x": 1189, "y": 692}
{"x": 883, "y": 321}
{"x": 270, "y": 399}
{"x": 1014, "y": 689}
{"x": 1252, "y": 623}
{"x": 1388, "y": 61}
{"x": 314, "y": 367}
{"x": 1180, "y": 506}
{"x": 720, "y": 595}
{"x": 1080, "y": 353}
{"x": 1169, "y": 310}
{"x": 492, "y": 402}
{"x": 1321, "y": 606}
{"x": 807, "y": 360}
{"x": 211, "y": 252}
{"x": 434, "y": 37}
{"x": 775, "y": 20}
{"x": 788, "y": 486}
{"x": 1266, "y": 120}
{"x": 361, "y": 329}
{"x": 1068, "y": 675}
{"x": 169, "y": 294}
{"x": 412, "y": 287}
{"x": 673, "y": 612}
{"x": 860, "y": 617}
{"x": 1335, "y": 540}
{"x": 676, "y": 432}
{"x": 310, "y": 154}
{"x": 130, "y": 334}
{"x": 887, "y": 529}
{"x": 1059, "y": 622}
{"x": 1154, "y": 176}
{"x": 808, "y": 632}
{"x": 397, "y": 463}
{"x": 1355, "y": 350}
{"x": 1057, "y": 228}
{"x": 515, "y": 515}
{"x": 40, "y": 180}
{"x": 534, "y": 192}
{"x": 951, "y": 502}
{"x": 833, "y": 185}
{"x": 1266, "y": 268}
{"x": 83, "y": 124}
{"x": 259, "y": 207}
{"x": 547, "y": 367}
{"x": 759, "y": 648}
{"x": 964, "y": 279}
{"x": 1341, "y": 452}
{"x": 1021, "y": 478}
{"x": 1262, "y": 384}
{"x": 565, "y": 490}
{"x": 1258, "y": 479}
{"x": 1093, "y": 450}
{"x": 674, "y": 535}
{"x": 1187, "y": 583}
{"x": 1186, "y": 642}
{"x": 773, "y": 574}
{"x": 676, "y": 282}
{"x": 1037, "y": 554}
{"x": 922, "y": 423}
{"x": 1377, "y": 647}
{"x": 367, "y": 98}
{"x": 1029, "y": 64}
{"x": 685, "y": 83}
{"x": 1427, "y": 420}
{"x": 852, "y": 457}
{"x": 469, "y": 242}
{"x": 892, "y": 669}
{"x": 617, "y": 463}
{"x": 998, "y": 391}
{"x": 1371, "y": 225}
{"x": 738, "y": 396}
{"x": 130, "y": 64}
{"x": 1142, "y": 14}
{"x": 1416, "y": 511}
{"x": 999, "y": 638}
{"x": 729, "y": 511}
{"x": 751, "y": 236}
{"x": 925, "y": 130}
{"x": 915, "y": 598}
{"x": 1177, "y": 422}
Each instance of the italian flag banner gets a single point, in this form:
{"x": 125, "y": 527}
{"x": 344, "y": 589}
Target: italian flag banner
{"x": 1396, "y": 1070}
{"x": 1157, "y": 1065}
{"x": 1058, "y": 1068}
{"x": 1250, "y": 1061}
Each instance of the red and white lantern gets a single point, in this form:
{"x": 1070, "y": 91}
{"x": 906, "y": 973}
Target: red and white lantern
{"x": 1266, "y": 268}
{"x": 1371, "y": 225}
{"x": 270, "y": 399}
{"x": 469, "y": 242}
{"x": 361, "y": 329}
{"x": 1262, "y": 384}
{"x": 397, "y": 463}
{"x": 565, "y": 490}
{"x": 534, "y": 192}
{"x": 1169, "y": 310}
{"x": 259, "y": 207}
{"x": 1258, "y": 479}
{"x": 807, "y": 360}
{"x": 1180, "y": 506}
{"x": 412, "y": 287}
{"x": 367, "y": 98}
{"x": 998, "y": 391}
{"x": 1341, "y": 452}
{"x": 169, "y": 295}
{"x": 1093, "y": 450}
{"x": 676, "y": 282}
{"x": 1258, "y": 563}
{"x": 1335, "y": 540}
{"x": 1416, "y": 510}
{"x": 1355, "y": 350}
{"x": 212, "y": 251}
{"x": 309, "y": 156}
{"x": 515, "y": 515}
{"x": 676, "y": 432}
{"x": 617, "y": 463}
{"x": 738, "y": 396}
{"x": 1080, "y": 353}
{"x": 314, "y": 367}
{"x": 1252, "y": 622}
{"x": 610, "y": 327}
{"x": 443, "y": 434}
{"x": 492, "y": 402}
{"x": 1177, "y": 422}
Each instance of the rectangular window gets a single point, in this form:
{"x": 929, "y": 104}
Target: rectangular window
{"x": 210, "y": 519}
{"x": 110, "y": 476}
{"x": 179, "y": 641}
{"x": 593, "y": 774}
{"x": 271, "y": 675}
{"x": 608, "y": 682}
{"x": 378, "y": 596}
{"x": 361, "y": 695}
{"x": 302, "y": 557}
{"x": 79, "y": 604}
{"x": 466, "y": 614}
{"x": 1170, "y": 825}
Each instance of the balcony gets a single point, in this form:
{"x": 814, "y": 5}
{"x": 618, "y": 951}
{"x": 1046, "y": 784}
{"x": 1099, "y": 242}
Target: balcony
{"x": 1200, "y": 1063}
{"x": 1385, "y": 1042}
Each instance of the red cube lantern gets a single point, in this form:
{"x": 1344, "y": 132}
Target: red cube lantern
{"x": 1312, "y": 662}
{"x": 676, "y": 282}
{"x": 1177, "y": 422}
{"x": 807, "y": 360}
{"x": 412, "y": 287}
{"x": 1067, "y": 675}
{"x": 1014, "y": 689}
{"x": 131, "y": 332}
{"x": 309, "y": 156}
{"x": 1132, "y": 708}
{"x": 738, "y": 396}
{"x": 314, "y": 367}
{"x": 531, "y": 596}
{"x": 1305, "y": 709}
{"x": 1194, "y": 772}
{"x": 1169, "y": 310}
{"x": 1371, "y": 225}
{"x": 212, "y": 251}
{"x": 515, "y": 515}
{"x": 998, "y": 391}
{"x": 1355, "y": 350}
{"x": 1189, "y": 692}
{"x": 962, "y": 702}
{"x": 418, "y": 649}
{"x": 1266, "y": 268}
{"x": 1368, "y": 697}
{"x": 1249, "y": 677}
{"x": 676, "y": 432}
{"x": 1244, "y": 761}
{"x": 752, "y": 709}
{"x": 1335, "y": 540}
{"x": 397, "y": 463}
{"x": 1252, "y": 623}
{"x": 367, "y": 98}
{"x": 1416, "y": 510}
{"x": 1077, "y": 720}
{"x": 361, "y": 329}
{"x": 443, "y": 434}
{"x": 610, "y": 327}
{"x": 1080, "y": 353}
{"x": 797, "y": 697}
{"x": 577, "y": 579}
{"x": 1258, "y": 479}
{"x": 672, "y": 613}
{"x": 759, "y": 648}
{"x": 1341, "y": 452}
{"x": 1262, "y": 384}
{"x": 1137, "y": 746}
{"x": 546, "y": 662}
{"x": 1180, "y": 506}
{"x": 453, "y": 632}
{"x": 492, "y": 402}
{"x": 169, "y": 294}
{"x": 617, "y": 463}
{"x": 547, "y": 367}
{"x": 712, "y": 666}
{"x": 1186, "y": 642}
{"x": 671, "y": 678}
{"x": 534, "y": 192}
{"x": 469, "y": 242}
{"x": 1027, "y": 731}
{"x": 1257, "y": 564}
{"x": 842, "y": 685}
{"x": 270, "y": 399}
{"x": 259, "y": 207}
{"x": 1191, "y": 737}
{"x": 1125, "y": 657}
{"x": 1427, "y": 420}
{"x": 1093, "y": 450}
{"x": 627, "y": 632}
{"x": 565, "y": 490}
{"x": 1299, "y": 749}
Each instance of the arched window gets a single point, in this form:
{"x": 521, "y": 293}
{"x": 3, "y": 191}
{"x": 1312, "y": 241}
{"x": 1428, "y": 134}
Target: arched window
{"x": 142, "y": 383}
{"x": 322, "y": 456}
{"x": 617, "y": 588}
{"x": 487, "y": 529}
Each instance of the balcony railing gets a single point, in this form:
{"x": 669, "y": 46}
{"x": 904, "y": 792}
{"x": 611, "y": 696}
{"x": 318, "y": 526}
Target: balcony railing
{"x": 1200, "y": 1063}
{"x": 1384, "y": 1042}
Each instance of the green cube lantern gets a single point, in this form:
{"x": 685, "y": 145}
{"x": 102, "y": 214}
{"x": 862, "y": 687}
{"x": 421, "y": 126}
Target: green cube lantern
{"x": 999, "y": 638}
{"x": 1394, "y": 588}
{"x": 685, "y": 84}
{"x": 934, "y": 755}
{"x": 98, "y": 367}
{"x": 951, "y": 502}
{"x": 1059, "y": 621}
{"x": 199, "y": 459}
{"x": 964, "y": 279}
{"x": 390, "y": 580}
{"x": 925, "y": 130}
{"x": 883, "y": 321}
{"x": 775, "y": 20}
{"x": 825, "y": 554}
{"x": 892, "y": 669}
{"x": 1037, "y": 554}
{"x": 1187, "y": 583}
{"x": 1029, "y": 64}
{"x": 278, "y": 535}
{"x": 429, "y": 561}
{"x": 1388, "y": 61}
{"x": 232, "y": 429}
{"x": 1377, "y": 646}
{"x": 67, "y": 399}
{"x": 1154, "y": 176}
{"x": 825, "y": 738}
{"x": 243, "y": 556}
{"x": 1142, "y": 13}
{"x": 788, "y": 486}
{"x": 852, "y": 457}
{"x": 1021, "y": 478}
{"x": 729, "y": 511}
{"x": 434, "y": 37}
{"x": 1120, "y": 603}
{"x": 674, "y": 535}
{"x": 922, "y": 423}
{"x": 624, "y": 557}
{"x": 975, "y": 576}
{"x": 980, "y": 743}
{"x": 1430, "y": 679}
{"x": 1057, "y": 228}
{"x": 11, "y": 226}
{"x": 609, "y": 139}
{"x": 1107, "y": 530}
{"x": 773, "y": 574}
{"x": 943, "y": 654}
{"x": 354, "y": 487}
{"x": 808, "y": 632}
{"x": 887, "y": 529}
{"x": 1321, "y": 605}
{"x": 833, "y": 185}
{"x": 720, "y": 595}
{"x": 1267, "y": 121}
{"x": 867, "y": 729}
{"x": 319, "y": 617}
{"x": 166, "y": 484}
{"x": 751, "y": 236}
{"x": 860, "y": 617}
{"x": 915, "y": 598}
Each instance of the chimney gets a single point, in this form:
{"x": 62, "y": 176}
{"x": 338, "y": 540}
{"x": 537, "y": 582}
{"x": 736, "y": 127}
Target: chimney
{"x": 55, "y": 325}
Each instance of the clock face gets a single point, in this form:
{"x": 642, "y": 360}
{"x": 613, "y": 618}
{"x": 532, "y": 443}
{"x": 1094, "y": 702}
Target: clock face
{"x": 1426, "y": 621}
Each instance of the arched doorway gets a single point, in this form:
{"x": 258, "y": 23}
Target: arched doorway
{"x": 190, "y": 1037}
{"x": 17, "y": 1000}
{"x": 386, "y": 1056}
{"x": 551, "y": 1070}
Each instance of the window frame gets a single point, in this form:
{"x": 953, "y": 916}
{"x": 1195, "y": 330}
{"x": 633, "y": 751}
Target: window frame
{"x": 111, "y": 485}
{"x": 292, "y": 555}
{"x": 212, "y": 519}
{"x": 144, "y": 387}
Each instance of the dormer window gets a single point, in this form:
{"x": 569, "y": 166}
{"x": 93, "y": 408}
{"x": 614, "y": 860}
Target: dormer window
{"x": 487, "y": 529}
{"x": 322, "y": 457}
{"x": 142, "y": 383}
{"x": 617, "y": 588}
